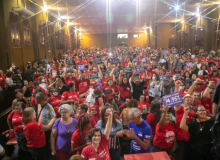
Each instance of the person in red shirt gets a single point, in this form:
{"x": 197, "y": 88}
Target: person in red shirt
{"x": 154, "y": 117}
{"x": 98, "y": 149}
{"x": 93, "y": 111}
{"x": 71, "y": 78}
{"x": 83, "y": 83}
{"x": 34, "y": 134}
{"x": 79, "y": 137}
{"x": 110, "y": 90}
{"x": 70, "y": 96}
{"x": 53, "y": 72}
{"x": 55, "y": 101}
{"x": 2, "y": 80}
{"x": 14, "y": 121}
{"x": 124, "y": 88}
{"x": 83, "y": 108}
{"x": 182, "y": 136}
{"x": 206, "y": 99}
{"x": 165, "y": 133}
{"x": 143, "y": 103}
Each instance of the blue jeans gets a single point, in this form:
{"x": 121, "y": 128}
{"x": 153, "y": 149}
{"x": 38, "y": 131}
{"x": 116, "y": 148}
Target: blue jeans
{"x": 19, "y": 145}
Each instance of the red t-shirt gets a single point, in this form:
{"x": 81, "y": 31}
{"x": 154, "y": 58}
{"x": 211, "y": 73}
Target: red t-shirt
{"x": 76, "y": 140}
{"x": 71, "y": 80}
{"x": 124, "y": 93}
{"x": 182, "y": 135}
{"x": 152, "y": 122}
{"x": 141, "y": 105}
{"x": 207, "y": 104}
{"x": 164, "y": 137}
{"x": 198, "y": 103}
{"x": 70, "y": 96}
{"x": 83, "y": 86}
{"x": 92, "y": 119}
{"x": 16, "y": 119}
{"x": 102, "y": 152}
{"x": 2, "y": 81}
{"x": 55, "y": 102}
{"x": 113, "y": 88}
{"x": 34, "y": 136}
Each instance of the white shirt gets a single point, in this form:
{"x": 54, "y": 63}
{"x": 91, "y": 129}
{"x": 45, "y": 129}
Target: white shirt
{"x": 90, "y": 99}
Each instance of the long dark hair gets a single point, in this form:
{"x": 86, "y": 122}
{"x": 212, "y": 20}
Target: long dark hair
{"x": 155, "y": 109}
{"x": 103, "y": 118}
{"x": 69, "y": 86}
{"x": 82, "y": 121}
{"x": 124, "y": 86}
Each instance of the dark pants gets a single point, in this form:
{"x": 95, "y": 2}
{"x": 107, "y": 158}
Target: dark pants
{"x": 115, "y": 154}
{"x": 151, "y": 99}
{"x": 156, "y": 149}
{"x": 37, "y": 153}
{"x": 182, "y": 152}
{"x": 48, "y": 149}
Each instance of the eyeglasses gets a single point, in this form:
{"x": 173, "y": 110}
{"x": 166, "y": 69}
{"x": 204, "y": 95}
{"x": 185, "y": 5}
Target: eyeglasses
{"x": 93, "y": 110}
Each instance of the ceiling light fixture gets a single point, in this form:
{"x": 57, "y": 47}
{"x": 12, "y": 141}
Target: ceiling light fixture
{"x": 177, "y": 8}
{"x": 182, "y": 21}
{"x": 197, "y": 14}
{"x": 59, "y": 19}
{"x": 45, "y": 7}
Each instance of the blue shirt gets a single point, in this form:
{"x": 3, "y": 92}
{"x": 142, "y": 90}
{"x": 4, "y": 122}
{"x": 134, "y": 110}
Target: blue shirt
{"x": 47, "y": 114}
{"x": 142, "y": 131}
{"x": 114, "y": 128}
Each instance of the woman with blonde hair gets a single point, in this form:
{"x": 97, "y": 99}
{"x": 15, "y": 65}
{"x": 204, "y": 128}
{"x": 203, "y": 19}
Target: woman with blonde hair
{"x": 34, "y": 134}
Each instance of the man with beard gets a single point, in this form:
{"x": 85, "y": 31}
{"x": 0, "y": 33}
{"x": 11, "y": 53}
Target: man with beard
{"x": 182, "y": 136}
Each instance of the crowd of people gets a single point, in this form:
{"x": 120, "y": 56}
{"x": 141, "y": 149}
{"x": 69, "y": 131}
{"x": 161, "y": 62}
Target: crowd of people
{"x": 103, "y": 103}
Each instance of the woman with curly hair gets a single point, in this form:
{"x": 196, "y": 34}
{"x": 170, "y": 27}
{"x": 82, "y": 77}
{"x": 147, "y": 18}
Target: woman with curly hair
{"x": 79, "y": 137}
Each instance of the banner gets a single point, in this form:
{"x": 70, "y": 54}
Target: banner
{"x": 126, "y": 70}
{"x": 81, "y": 67}
{"x": 189, "y": 64}
{"x": 135, "y": 60}
{"x": 173, "y": 99}
{"x": 140, "y": 69}
{"x": 94, "y": 76}
{"x": 107, "y": 91}
{"x": 98, "y": 61}
{"x": 162, "y": 78}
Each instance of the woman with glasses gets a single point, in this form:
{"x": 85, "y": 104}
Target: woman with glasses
{"x": 98, "y": 149}
{"x": 61, "y": 133}
{"x": 200, "y": 143}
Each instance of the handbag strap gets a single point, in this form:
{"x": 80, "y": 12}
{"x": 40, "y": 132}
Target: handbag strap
{"x": 95, "y": 153}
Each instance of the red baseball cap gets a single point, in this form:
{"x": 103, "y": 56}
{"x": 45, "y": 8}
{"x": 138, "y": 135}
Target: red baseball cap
{"x": 94, "y": 83}
{"x": 90, "y": 109}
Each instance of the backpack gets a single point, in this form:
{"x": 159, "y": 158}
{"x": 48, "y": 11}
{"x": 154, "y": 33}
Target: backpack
{"x": 216, "y": 135}
{"x": 23, "y": 141}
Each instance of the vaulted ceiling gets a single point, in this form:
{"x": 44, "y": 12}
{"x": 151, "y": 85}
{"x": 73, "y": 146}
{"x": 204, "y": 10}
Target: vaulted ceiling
{"x": 123, "y": 16}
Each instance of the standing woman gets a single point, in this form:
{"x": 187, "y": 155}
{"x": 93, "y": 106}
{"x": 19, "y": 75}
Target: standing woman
{"x": 110, "y": 90}
{"x": 165, "y": 134}
{"x": 99, "y": 143}
{"x": 200, "y": 135}
{"x": 124, "y": 88}
{"x": 153, "y": 118}
{"x": 155, "y": 87}
{"x": 79, "y": 137}
{"x": 62, "y": 130}
{"x": 15, "y": 124}
{"x": 19, "y": 98}
{"x": 113, "y": 144}
{"x": 70, "y": 96}
{"x": 34, "y": 134}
